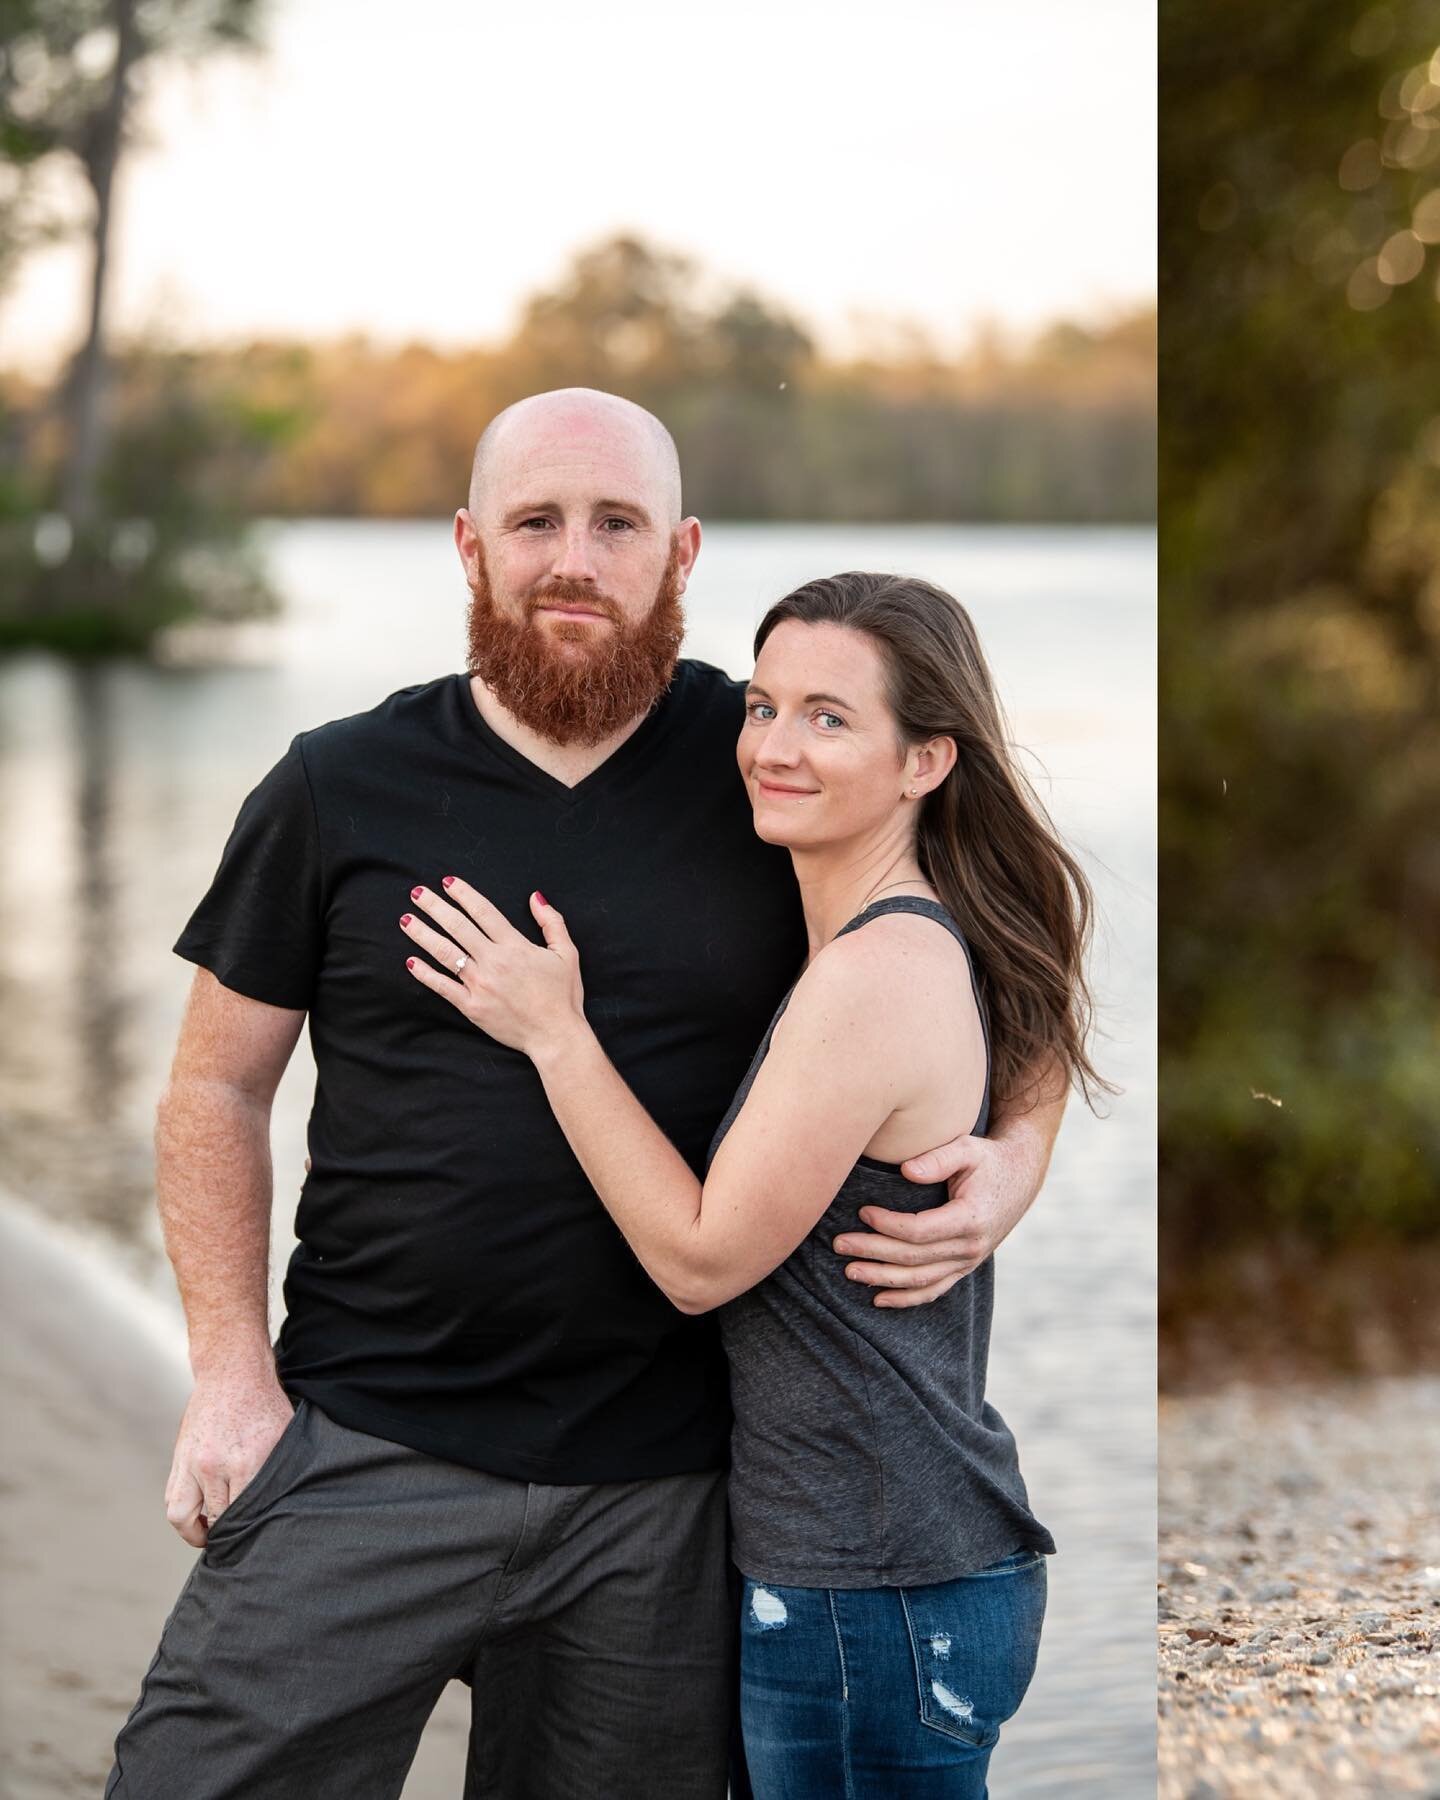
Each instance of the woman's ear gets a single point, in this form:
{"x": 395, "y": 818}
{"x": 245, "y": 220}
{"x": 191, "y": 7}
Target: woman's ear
{"x": 928, "y": 764}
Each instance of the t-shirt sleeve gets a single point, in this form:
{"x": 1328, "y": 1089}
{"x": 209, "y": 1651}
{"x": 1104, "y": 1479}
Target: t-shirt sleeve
{"x": 258, "y": 929}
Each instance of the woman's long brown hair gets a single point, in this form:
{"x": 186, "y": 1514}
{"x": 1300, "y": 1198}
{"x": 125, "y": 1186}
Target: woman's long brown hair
{"x": 984, "y": 840}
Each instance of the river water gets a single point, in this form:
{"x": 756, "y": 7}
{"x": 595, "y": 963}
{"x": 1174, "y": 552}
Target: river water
{"x": 118, "y": 785}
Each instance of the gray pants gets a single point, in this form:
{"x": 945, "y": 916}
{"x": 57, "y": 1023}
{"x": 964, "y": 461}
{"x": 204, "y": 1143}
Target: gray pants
{"x": 354, "y": 1578}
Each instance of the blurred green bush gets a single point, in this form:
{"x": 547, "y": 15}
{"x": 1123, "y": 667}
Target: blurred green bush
{"x": 169, "y": 540}
{"x": 1300, "y": 621}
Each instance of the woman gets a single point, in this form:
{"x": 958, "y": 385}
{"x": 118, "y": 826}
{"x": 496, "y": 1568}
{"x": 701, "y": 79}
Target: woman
{"x": 894, "y": 1574}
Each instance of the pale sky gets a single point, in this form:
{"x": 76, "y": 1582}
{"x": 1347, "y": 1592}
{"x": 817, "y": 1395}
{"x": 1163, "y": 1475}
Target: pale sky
{"x": 414, "y": 171}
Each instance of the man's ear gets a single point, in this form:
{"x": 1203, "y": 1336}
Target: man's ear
{"x": 687, "y": 548}
{"x": 467, "y": 544}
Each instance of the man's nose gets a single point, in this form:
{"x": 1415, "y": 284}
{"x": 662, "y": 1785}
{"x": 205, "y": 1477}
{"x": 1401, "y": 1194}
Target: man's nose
{"x": 573, "y": 556}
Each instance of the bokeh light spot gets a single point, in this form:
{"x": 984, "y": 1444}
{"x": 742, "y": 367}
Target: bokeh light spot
{"x": 1407, "y": 145}
{"x": 1417, "y": 93}
{"x": 1365, "y": 290}
{"x": 1368, "y": 223}
{"x": 1334, "y": 255}
{"x": 1389, "y": 101}
{"x": 1401, "y": 259}
{"x": 1426, "y": 221}
{"x": 1360, "y": 166}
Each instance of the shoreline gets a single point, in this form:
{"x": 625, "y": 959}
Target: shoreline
{"x": 94, "y": 1380}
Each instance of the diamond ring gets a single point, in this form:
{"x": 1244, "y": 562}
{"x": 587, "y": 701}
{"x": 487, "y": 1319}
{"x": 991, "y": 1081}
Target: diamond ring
{"x": 461, "y": 964}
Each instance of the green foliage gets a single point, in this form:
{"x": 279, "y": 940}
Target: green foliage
{"x": 115, "y": 531}
{"x": 56, "y": 68}
{"x": 170, "y": 544}
{"x": 1300, "y": 665}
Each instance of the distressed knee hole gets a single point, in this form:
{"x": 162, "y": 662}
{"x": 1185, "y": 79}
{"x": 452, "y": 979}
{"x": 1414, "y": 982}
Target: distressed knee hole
{"x": 940, "y": 1646}
{"x": 767, "y": 1610}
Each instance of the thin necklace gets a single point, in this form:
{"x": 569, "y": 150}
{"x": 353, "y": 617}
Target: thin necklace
{"x": 908, "y": 881}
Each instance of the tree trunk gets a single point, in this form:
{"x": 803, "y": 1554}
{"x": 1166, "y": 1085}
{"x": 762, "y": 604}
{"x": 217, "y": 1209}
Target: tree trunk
{"x": 100, "y": 153}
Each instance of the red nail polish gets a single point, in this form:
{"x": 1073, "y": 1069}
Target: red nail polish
{"x": 449, "y": 881}
{"x": 405, "y": 918}
{"x": 415, "y": 893}
{"x": 541, "y": 898}
{"x": 409, "y": 962}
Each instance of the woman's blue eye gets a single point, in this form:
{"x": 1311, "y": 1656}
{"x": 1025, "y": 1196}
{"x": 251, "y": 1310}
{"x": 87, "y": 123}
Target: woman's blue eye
{"x": 830, "y": 716}
{"x": 758, "y": 706}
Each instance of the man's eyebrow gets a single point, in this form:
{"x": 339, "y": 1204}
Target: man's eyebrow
{"x": 632, "y": 507}
{"x": 529, "y": 509}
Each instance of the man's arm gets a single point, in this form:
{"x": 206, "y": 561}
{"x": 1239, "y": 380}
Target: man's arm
{"x": 913, "y": 1258}
{"x": 213, "y": 1179}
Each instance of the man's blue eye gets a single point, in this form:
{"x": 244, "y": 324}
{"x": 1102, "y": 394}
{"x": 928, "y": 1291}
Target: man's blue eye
{"x": 625, "y": 522}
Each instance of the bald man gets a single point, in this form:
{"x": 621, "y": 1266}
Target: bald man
{"x": 484, "y": 1446}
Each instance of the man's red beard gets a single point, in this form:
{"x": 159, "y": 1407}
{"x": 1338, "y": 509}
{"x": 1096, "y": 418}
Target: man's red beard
{"x": 568, "y": 698}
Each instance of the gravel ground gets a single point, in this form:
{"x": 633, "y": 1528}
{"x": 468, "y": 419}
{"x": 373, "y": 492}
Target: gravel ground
{"x": 1300, "y": 1592}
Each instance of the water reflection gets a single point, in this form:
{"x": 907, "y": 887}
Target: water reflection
{"x": 99, "y": 1000}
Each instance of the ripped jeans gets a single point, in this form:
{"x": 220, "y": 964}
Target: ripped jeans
{"x": 874, "y": 1693}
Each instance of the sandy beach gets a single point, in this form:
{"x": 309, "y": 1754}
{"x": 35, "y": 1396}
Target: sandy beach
{"x": 89, "y": 1568}
{"x": 1300, "y": 1592}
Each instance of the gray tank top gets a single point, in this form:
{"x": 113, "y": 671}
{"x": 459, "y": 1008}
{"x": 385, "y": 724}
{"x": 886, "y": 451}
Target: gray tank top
{"x": 864, "y": 1453}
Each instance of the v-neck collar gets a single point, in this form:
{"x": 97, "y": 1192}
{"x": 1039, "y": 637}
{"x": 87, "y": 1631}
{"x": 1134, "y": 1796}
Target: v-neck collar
{"x": 614, "y": 765}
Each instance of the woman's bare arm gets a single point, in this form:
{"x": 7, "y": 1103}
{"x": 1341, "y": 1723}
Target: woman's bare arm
{"x": 795, "y": 1139}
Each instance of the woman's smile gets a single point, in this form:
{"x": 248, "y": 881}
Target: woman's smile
{"x": 782, "y": 790}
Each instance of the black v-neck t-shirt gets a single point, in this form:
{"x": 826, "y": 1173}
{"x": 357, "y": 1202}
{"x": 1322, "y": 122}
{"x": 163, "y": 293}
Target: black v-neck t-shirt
{"x": 457, "y": 1286}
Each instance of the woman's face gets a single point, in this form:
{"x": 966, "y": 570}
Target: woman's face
{"x": 819, "y": 749}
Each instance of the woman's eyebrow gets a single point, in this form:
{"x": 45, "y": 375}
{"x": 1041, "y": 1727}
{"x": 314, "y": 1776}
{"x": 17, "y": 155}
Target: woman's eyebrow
{"x": 810, "y": 699}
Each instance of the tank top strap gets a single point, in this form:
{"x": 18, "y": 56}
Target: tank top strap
{"x": 913, "y": 903}
{"x": 927, "y": 909}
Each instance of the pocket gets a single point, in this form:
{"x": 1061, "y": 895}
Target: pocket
{"x": 975, "y": 1642}
{"x": 264, "y": 1484}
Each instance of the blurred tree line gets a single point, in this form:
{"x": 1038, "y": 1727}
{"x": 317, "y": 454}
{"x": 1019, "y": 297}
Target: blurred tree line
{"x": 1061, "y": 429}
{"x": 1300, "y": 655}
{"x": 126, "y": 489}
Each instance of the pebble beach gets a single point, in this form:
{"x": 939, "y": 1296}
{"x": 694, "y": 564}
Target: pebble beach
{"x": 1299, "y": 1592}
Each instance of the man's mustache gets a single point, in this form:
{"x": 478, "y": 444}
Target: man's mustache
{"x": 572, "y": 593}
